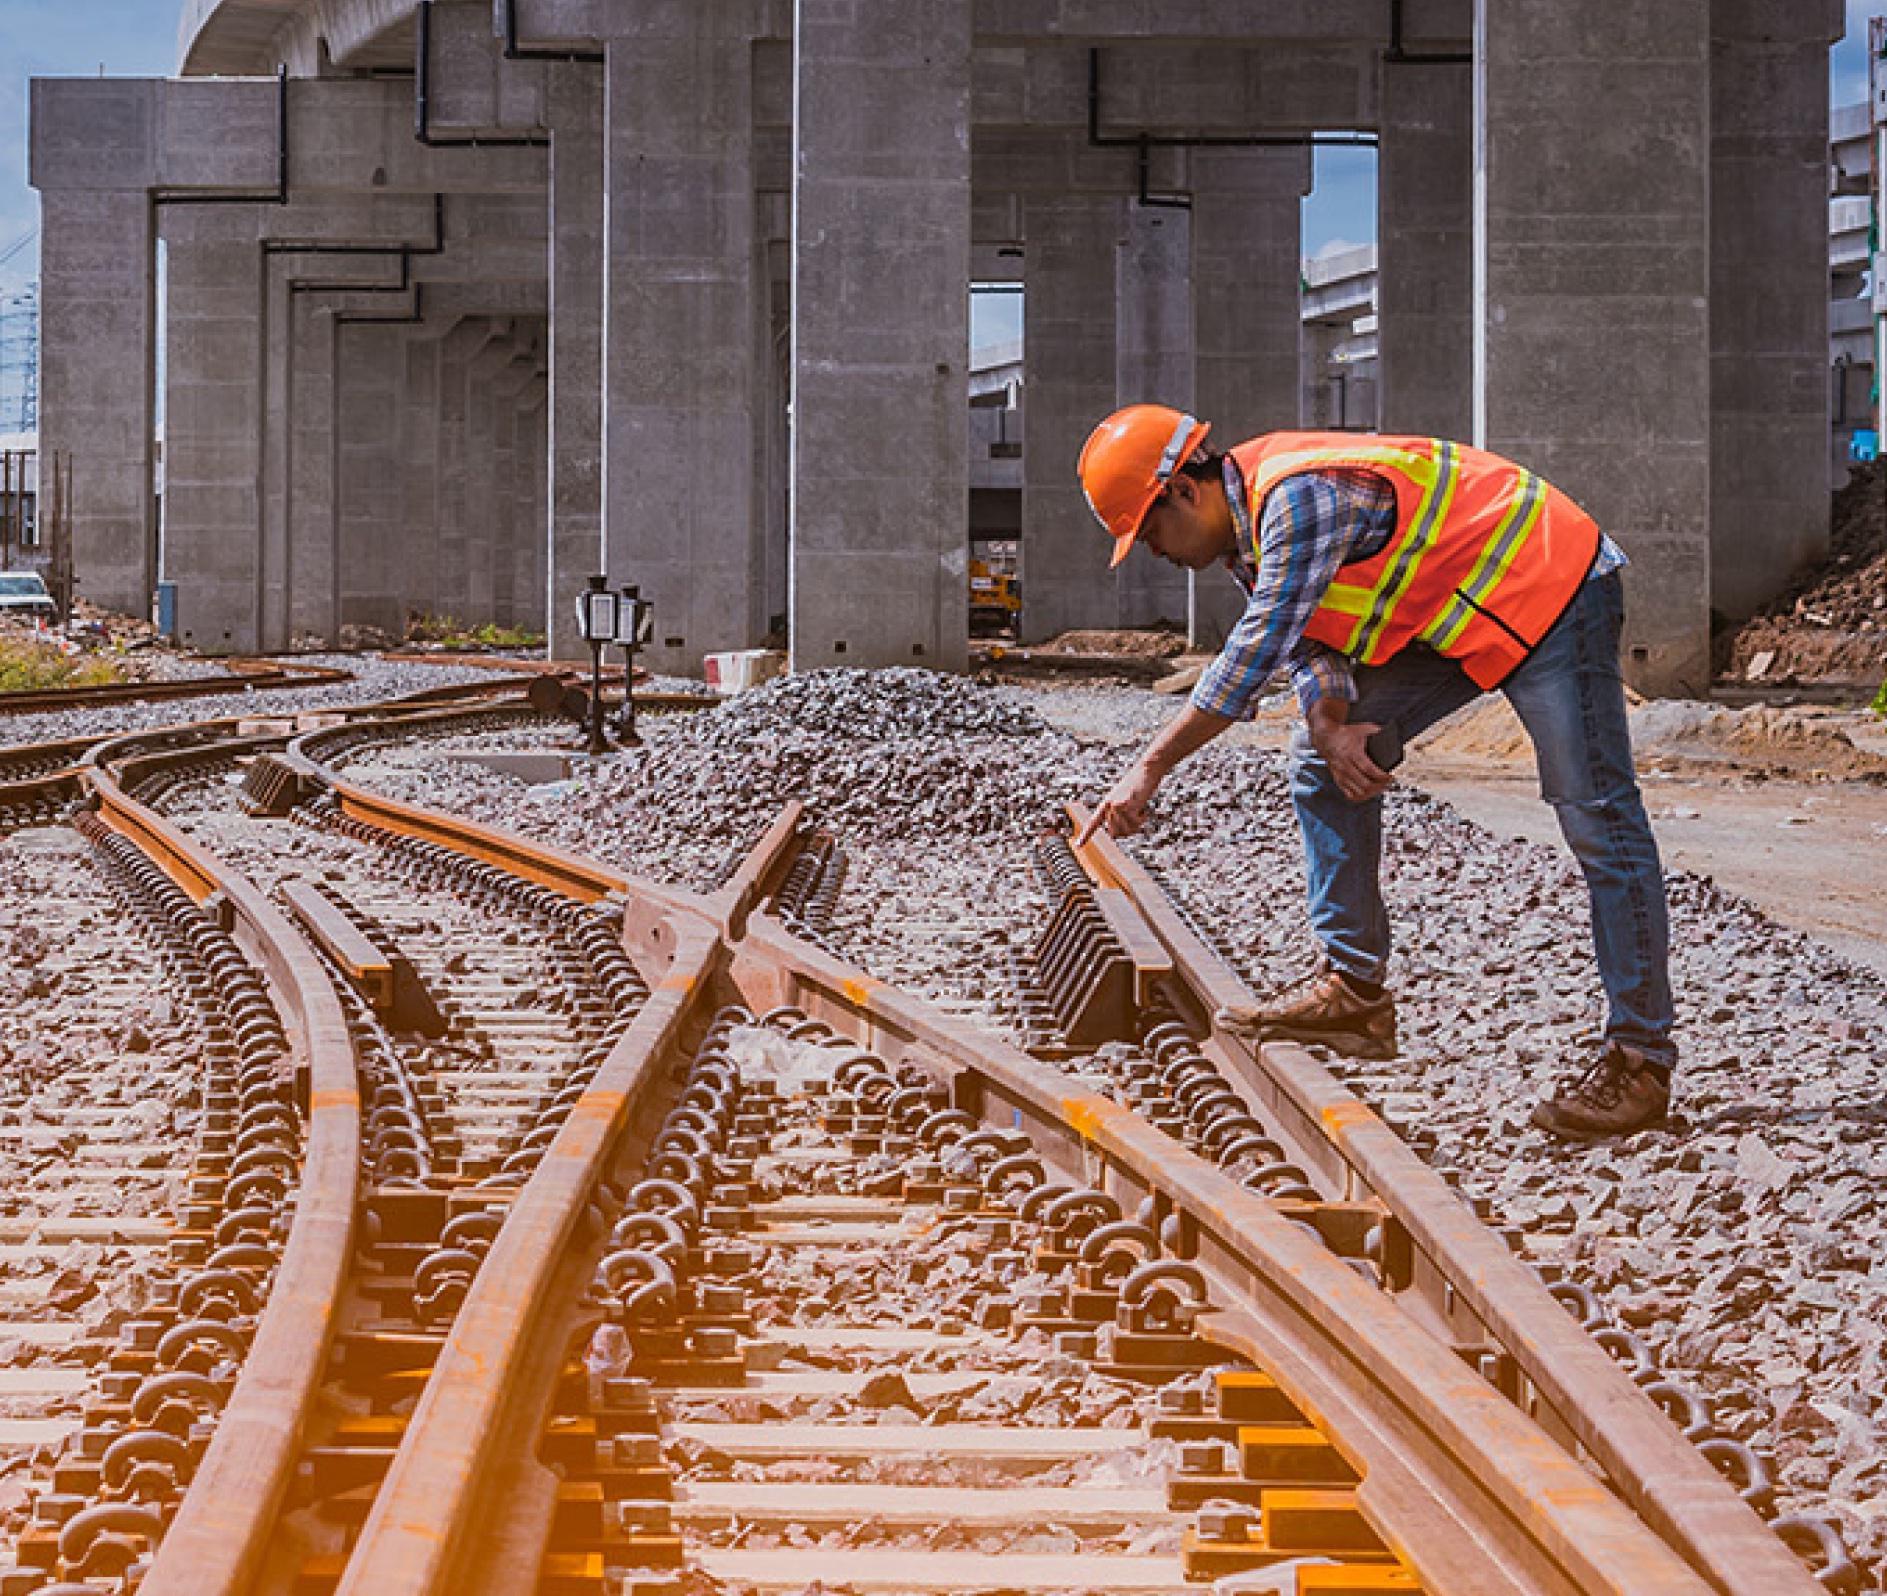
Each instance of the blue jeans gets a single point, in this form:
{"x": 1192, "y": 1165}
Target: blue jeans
{"x": 1571, "y": 699}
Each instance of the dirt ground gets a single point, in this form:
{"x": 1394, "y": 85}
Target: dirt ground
{"x": 1786, "y": 806}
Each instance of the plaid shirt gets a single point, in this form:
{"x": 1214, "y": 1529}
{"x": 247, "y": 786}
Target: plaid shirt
{"x": 1314, "y": 523}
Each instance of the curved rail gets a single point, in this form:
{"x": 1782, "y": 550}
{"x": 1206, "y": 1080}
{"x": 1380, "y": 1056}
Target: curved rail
{"x": 1472, "y": 1492}
{"x": 485, "y": 1399}
{"x": 1590, "y": 1397}
{"x": 242, "y": 676}
{"x": 222, "y": 1530}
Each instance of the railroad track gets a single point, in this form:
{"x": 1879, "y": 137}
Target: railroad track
{"x": 241, "y": 676}
{"x": 775, "y": 1274}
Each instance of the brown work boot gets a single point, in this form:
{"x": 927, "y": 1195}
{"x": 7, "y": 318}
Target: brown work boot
{"x": 1623, "y": 1092}
{"x": 1322, "y": 1008}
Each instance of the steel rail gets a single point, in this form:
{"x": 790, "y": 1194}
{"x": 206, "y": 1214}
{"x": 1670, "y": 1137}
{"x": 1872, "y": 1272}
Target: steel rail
{"x": 242, "y": 676}
{"x": 1466, "y": 1488}
{"x": 224, "y": 1526}
{"x": 484, "y": 1402}
{"x": 1590, "y": 1396}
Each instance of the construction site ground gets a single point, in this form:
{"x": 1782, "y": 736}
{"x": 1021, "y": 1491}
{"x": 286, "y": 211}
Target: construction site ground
{"x": 1781, "y": 802}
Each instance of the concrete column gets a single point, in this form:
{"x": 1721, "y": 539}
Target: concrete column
{"x": 1247, "y": 265}
{"x": 278, "y": 454}
{"x": 530, "y": 557}
{"x": 1153, "y": 363}
{"x": 1071, "y": 373}
{"x": 504, "y": 500}
{"x": 1769, "y": 394}
{"x": 575, "y": 415}
{"x": 314, "y": 606}
{"x": 93, "y": 159}
{"x": 515, "y": 532}
{"x": 483, "y": 529}
{"x": 881, "y": 246}
{"x": 457, "y": 352}
{"x": 213, "y": 408}
{"x": 1425, "y": 260}
{"x": 371, "y": 544}
{"x": 678, "y": 379}
{"x": 1592, "y": 276}
{"x": 418, "y": 571}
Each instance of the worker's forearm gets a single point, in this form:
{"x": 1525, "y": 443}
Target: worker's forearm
{"x": 1184, "y": 735}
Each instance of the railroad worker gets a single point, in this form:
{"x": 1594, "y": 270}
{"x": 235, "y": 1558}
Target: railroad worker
{"x": 1398, "y": 579}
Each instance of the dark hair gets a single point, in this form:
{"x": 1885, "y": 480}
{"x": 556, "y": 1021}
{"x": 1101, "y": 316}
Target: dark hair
{"x": 1205, "y": 465}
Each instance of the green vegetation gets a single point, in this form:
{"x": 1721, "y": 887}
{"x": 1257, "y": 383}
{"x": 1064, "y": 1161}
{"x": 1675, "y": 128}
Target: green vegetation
{"x": 447, "y": 632}
{"x": 1880, "y": 700}
{"x": 29, "y": 666}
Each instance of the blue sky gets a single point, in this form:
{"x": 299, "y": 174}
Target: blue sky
{"x": 138, "y": 38}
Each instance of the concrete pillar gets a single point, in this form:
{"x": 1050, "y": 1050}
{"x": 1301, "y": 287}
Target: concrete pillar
{"x": 213, "y": 409}
{"x": 418, "y": 571}
{"x": 93, "y": 159}
{"x": 1592, "y": 276}
{"x": 483, "y": 529}
{"x": 371, "y": 543}
{"x": 575, "y": 414}
{"x": 278, "y": 453}
{"x": 1769, "y": 396}
{"x": 678, "y": 379}
{"x": 457, "y": 351}
{"x": 1425, "y": 260}
{"x": 881, "y": 246}
{"x": 314, "y": 606}
{"x": 1072, "y": 376}
{"x": 530, "y": 556}
{"x": 514, "y": 531}
{"x": 1247, "y": 265}
{"x": 1153, "y": 363}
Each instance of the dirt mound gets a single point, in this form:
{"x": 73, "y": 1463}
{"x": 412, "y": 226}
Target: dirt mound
{"x": 1830, "y": 622}
{"x": 1672, "y": 733}
{"x": 1136, "y": 643}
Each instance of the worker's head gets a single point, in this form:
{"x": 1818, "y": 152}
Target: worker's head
{"x": 1147, "y": 481}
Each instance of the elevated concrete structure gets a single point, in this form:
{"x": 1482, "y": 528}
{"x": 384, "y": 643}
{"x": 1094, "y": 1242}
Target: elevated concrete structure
{"x": 681, "y": 293}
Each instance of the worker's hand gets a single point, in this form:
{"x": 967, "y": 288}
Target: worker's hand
{"x": 1124, "y": 810}
{"x": 1340, "y": 744}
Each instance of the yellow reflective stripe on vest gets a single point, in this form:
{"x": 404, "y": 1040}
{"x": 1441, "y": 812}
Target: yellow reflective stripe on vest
{"x": 1523, "y": 514}
{"x": 1347, "y": 599}
{"x": 1429, "y": 515}
{"x": 1420, "y": 469}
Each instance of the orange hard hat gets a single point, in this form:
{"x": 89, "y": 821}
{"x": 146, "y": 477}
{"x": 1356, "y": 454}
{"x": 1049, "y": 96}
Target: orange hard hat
{"x": 1127, "y": 462}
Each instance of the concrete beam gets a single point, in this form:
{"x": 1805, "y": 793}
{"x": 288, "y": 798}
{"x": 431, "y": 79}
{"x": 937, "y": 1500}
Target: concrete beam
{"x": 881, "y": 245}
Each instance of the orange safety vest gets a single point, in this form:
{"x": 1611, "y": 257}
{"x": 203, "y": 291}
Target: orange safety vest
{"x": 1484, "y": 559}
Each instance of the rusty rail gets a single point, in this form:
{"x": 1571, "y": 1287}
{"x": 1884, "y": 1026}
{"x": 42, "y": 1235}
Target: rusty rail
{"x": 243, "y": 674}
{"x": 223, "y": 1528}
{"x": 1473, "y": 1493}
{"x": 482, "y": 1408}
{"x": 1590, "y": 1398}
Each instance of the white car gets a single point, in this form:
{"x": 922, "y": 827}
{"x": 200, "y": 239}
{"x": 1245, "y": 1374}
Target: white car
{"x": 25, "y": 593}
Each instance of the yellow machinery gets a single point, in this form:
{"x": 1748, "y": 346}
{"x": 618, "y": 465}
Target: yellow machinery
{"x": 994, "y": 600}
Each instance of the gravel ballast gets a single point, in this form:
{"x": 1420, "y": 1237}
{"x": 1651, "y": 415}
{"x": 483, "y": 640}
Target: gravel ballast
{"x": 1744, "y": 1244}
{"x": 374, "y": 679}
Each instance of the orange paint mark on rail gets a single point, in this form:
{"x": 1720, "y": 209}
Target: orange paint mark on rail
{"x": 858, "y": 992}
